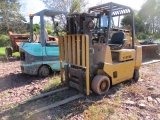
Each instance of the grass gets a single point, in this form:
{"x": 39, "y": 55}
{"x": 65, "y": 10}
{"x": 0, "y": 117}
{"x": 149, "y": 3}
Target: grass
{"x": 99, "y": 111}
{"x": 107, "y": 108}
{"x": 9, "y": 106}
{"x": 2, "y": 52}
{"x": 7, "y": 94}
{"x": 53, "y": 83}
{"x": 103, "y": 109}
{"x": 158, "y": 39}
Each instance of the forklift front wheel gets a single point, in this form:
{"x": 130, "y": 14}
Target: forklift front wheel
{"x": 136, "y": 75}
{"x": 44, "y": 71}
{"x": 100, "y": 84}
{"x": 8, "y": 52}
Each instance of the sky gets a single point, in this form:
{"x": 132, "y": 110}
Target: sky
{"x": 135, "y": 4}
{"x": 33, "y": 6}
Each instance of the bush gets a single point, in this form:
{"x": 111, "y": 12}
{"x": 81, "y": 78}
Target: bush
{"x": 49, "y": 30}
{"x": 157, "y": 35}
{"x": 4, "y": 41}
{"x": 142, "y": 36}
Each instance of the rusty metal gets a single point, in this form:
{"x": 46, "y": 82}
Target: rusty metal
{"x": 16, "y": 39}
{"x": 150, "y": 52}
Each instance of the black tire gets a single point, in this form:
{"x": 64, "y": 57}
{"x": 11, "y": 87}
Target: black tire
{"x": 8, "y": 52}
{"x": 44, "y": 71}
{"x": 136, "y": 75}
{"x": 100, "y": 84}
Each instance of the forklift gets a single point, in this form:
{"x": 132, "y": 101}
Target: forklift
{"x": 40, "y": 56}
{"x": 93, "y": 53}
{"x": 94, "y": 50}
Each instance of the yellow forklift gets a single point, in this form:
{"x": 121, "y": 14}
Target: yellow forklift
{"x": 93, "y": 59}
{"x": 94, "y": 55}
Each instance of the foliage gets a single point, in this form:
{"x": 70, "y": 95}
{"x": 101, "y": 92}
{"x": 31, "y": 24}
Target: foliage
{"x": 36, "y": 28}
{"x": 4, "y": 40}
{"x": 49, "y": 26}
{"x": 142, "y": 36}
{"x": 2, "y": 52}
{"x": 66, "y": 5}
{"x": 76, "y": 6}
{"x": 139, "y": 25}
{"x": 150, "y": 14}
{"x": 70, "y": 6}
{"x": 156, "y": 35}
{"x": 147, "y": 20}
{"x": 49, "y": 30}
{"x": 10, "y": 17}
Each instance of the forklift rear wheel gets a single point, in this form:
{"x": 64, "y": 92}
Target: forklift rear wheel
{"x": 136, "y": 75}
{"x": 8, "y": 52}
{"x": 100, "y": 84}
{"x": 44, "y": 71}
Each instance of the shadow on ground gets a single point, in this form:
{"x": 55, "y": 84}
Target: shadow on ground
{"x": 10, "y": 59}
{"x": 16, "y": 80}
{"x": 66, "y": 111}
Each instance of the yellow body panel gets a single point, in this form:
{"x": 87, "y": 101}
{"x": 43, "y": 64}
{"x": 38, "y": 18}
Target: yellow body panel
{"x": 108, "y": 57}
{"x": 138, "y": 57}
{"x": 125, "y": 54}
{"x": 123, "y": 70}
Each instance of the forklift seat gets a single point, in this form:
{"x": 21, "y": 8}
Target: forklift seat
{"x": 117, "y": 41}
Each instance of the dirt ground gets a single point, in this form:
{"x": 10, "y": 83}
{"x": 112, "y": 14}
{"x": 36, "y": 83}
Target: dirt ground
{"x": 127, "y": 101}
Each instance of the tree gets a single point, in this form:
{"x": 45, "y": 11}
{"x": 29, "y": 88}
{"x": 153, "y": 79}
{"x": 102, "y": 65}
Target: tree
{"x": 139, "y": 25}
{"x": 150, "y": 14}
{"x": 70, "y": 6}
{"x": 10, "y": 18}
